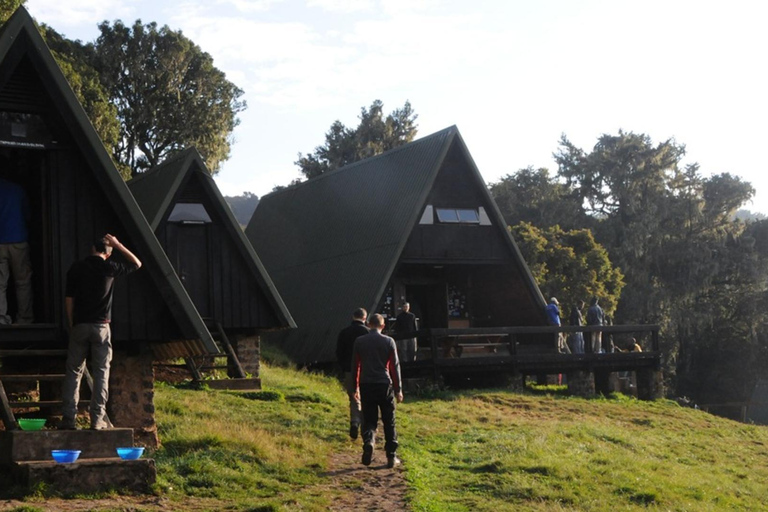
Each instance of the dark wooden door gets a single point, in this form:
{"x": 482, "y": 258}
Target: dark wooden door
{"x": 189, "y": 253}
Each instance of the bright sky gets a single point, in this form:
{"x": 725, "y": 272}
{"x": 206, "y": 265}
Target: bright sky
{"x": 513, "y": 75}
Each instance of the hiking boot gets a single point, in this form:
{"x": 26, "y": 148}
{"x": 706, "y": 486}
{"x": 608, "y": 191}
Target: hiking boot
{"x": 354, "y": 428}
{"x": 367, "y": 453}
{"x": 67, "y": 425}
{"x": 392, "y": 461}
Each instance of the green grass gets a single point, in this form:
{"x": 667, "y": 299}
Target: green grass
{"x": 469, "y": 450}
{"x": 484, "y": 450}
{"x": 495, "y": 450}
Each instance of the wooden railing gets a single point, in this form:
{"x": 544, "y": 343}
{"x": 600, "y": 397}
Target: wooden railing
{"x": 501, "y": 346}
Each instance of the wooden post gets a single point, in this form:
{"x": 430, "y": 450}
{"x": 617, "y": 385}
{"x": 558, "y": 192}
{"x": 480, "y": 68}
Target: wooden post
{"x": 6, "y": 413}
{"x": 433, "y": 344}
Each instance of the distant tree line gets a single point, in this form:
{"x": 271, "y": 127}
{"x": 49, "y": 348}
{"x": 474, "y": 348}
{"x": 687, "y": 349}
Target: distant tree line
{"x": 686, "y": 261}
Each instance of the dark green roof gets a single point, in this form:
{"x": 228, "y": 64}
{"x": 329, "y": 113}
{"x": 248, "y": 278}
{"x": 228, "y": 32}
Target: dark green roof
{"x": 19, "y": 37}
{"x": 156, "y": 192}
{"x": 332, "y": 243}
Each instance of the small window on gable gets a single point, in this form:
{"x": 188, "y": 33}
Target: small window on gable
{"x": 457, "y": 216}
{"x": 189, "y": 213}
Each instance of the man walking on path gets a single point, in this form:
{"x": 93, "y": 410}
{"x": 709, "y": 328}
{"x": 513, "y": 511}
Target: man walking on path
{"x": 595, "y": 316}
{"x": 88, "y": 304}
{"x": 406, "y": 322}
{"x": 344, "y": 346}
{"x": 377, "y": 378}
{"x": 14, "y": 252}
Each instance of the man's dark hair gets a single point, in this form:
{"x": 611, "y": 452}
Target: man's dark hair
{"x": 360, "y": 313}
{"x": 594, "y": 301}
{"x": 100, "y": 244}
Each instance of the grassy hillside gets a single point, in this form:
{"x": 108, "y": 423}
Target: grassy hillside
{"x": 470, "y": 450}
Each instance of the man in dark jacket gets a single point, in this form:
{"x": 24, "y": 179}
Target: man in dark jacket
{"x": 344, "y": 345}
{"x": 406, "y": 322}
{"x": 377, "y": 379}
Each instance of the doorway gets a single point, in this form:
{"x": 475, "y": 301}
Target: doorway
{"x": 188, "y": 251}
{"x": 429, "y": 302}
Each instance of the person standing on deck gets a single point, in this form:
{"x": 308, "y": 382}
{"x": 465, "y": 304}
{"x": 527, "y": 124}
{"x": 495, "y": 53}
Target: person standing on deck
{"x": 88, "y": 304}
{"x": 595, "y": 316}
{"x": 344, "y": 345}
{"x": 377, "y": 379}
{"x": 406, "y": 322}
{"x": 14, "y": 252}
{"x": 577, "y": 320}
{"x": 553, "y": 318}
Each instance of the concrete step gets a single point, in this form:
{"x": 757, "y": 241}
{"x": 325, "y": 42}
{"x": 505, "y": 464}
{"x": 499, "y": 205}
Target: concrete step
{"x": 234, "y": 384}
{"x": 93, "y": 475}
{"x": 22, "y": 446}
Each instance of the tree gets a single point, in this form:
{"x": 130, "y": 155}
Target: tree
{"x": 687, "y": 264}
{"x": 74, "y": 60}
{"x": 8, "y": 7}
{"x": 531, "y": 195}
{"x": 374, "y": 135}
{"x": 570, "y": 265}
{"x": 168, "y": 95}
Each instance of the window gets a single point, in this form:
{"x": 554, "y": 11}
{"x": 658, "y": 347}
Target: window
{"x": 189, "y": 213}
{"x": 457, "y": 216}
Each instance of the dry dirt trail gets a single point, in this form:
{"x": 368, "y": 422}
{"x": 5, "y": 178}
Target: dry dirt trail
{"x": 372, "y": 488}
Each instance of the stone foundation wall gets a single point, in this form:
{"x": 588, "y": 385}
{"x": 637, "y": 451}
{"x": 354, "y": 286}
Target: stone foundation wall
{"x": 248, "y": 350}
{"x": 581, "y": 383}
{"x": 131, "y": 397}
{"x": 650, "y": 384}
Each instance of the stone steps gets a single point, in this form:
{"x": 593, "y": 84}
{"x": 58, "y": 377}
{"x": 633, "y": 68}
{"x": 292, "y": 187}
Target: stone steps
{"x": 27, "y": 455}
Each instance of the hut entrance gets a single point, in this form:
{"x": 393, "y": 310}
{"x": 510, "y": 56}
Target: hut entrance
{"x": 28, "y": 169}
{"x": 428, "y": 303}
{"x": 189, "y": 251}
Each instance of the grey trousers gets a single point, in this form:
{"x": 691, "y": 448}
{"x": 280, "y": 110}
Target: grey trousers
{"x": 406, "y": 349}
{"x": 355, "y": 409}
{"x": 15, "y": 260}
{"x": 98, "y": 339}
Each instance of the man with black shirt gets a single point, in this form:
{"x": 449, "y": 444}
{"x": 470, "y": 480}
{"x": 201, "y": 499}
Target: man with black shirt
{"x": 88, "y": 304}
{"x": 344, "y": 345}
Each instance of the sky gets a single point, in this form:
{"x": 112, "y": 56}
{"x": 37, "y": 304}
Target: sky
{"x": 512, "y": 75}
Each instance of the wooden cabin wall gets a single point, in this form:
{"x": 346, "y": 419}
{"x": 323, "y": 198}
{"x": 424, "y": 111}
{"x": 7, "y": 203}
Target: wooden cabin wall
{"x": 79, "y": 212}
{"x": 236, "y": 298}
{"x": 455, "y": 187}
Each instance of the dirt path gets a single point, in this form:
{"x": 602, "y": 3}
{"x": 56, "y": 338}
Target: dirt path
{"x": 357, "y": 487}
{"x": 372, "y": 488}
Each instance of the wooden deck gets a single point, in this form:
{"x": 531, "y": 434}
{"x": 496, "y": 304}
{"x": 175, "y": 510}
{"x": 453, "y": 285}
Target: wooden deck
{"x": 509, "y": 350}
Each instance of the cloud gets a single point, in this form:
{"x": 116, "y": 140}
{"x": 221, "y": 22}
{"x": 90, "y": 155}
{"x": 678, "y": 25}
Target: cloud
{"x": 248, "y": 6}
{"x": 345, "y": 6}
{"x": 71, "y": 14}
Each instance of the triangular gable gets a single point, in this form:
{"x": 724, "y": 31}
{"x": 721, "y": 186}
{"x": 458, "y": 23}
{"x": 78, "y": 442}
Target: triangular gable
{"x": 20, "y": 40}
{"x": 158, "y": 190}
{"x": 332, "y": 243}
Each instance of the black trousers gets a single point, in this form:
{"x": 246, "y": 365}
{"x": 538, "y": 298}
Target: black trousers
{"x": 375, "y": 397}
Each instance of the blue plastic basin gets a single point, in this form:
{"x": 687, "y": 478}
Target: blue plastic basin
{"x": 130, "y": 453}
{"x": 65, "y": 456}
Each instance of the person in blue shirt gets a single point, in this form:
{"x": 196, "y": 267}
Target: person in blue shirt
{"x": 553, "y": 318}
{"x": 14, "y": 252}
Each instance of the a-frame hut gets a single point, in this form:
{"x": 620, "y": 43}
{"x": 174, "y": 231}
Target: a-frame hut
{"x": 415, "y": 224}
{"x": 216, "y": 263}
{"x": 49, "y": 147}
